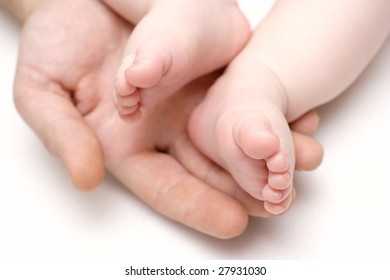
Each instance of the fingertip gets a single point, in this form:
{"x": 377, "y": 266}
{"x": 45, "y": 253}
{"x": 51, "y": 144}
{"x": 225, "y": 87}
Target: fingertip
{"x": 232, "y": 223}
{"x": 309, "y": 153}
{"x": 315, "y": 159}
{"x": 226, "y": 219}
{"x": 84, "y": 159}
{"x": 86, "y": 176}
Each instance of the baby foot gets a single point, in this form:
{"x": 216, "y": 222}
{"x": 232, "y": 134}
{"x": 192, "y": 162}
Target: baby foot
{"x": 174, "y": 43}
{"x": 243, "y": 129}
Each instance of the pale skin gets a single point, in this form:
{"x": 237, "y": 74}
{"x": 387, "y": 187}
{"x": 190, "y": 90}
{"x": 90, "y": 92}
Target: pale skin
{"x": 62, "y": 90}
{"x": 302, "y": 55}
{"x": 174, "y": 42}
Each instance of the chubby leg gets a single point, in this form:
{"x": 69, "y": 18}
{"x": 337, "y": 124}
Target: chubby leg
{"x": 288, "y": 68}
{"x": 241, "y": 126}
{"x": 175, "y": 42}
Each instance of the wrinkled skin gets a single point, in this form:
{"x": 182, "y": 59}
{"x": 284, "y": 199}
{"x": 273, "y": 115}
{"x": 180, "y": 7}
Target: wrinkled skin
{"x": 63, "y": 87}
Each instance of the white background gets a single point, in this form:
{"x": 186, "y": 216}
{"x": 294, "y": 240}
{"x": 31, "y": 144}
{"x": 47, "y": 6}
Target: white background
{"x": 341, "y": 211}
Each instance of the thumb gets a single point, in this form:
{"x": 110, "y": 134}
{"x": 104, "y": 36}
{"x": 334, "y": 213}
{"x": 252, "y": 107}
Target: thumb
{"x": 49, "y": 111}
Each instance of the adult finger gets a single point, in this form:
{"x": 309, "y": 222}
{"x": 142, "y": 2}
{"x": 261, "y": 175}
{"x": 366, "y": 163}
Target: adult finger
{"x": 49, "y": 111}
{"x": 160, "y": 181}
{"x": 211, "y": 174}
{"x": 308, "y": 152}
{"x": 306, "y": 124}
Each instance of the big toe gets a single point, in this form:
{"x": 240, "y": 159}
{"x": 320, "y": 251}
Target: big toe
{"x": 255, "y": 137}
{"x": 147, "y": 69}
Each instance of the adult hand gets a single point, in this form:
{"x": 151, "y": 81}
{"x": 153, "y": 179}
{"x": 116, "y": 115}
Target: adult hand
{"x": 69, "y": 54}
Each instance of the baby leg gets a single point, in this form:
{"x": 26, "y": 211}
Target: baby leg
{"x": 241, "y": 126}
{"x": 175, "y": 42}
{"x": 297, "y": 59}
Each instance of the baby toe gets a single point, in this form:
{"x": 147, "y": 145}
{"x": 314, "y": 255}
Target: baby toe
{"x": 278, "y": 163}
{"x": 278, "y": 208}
{"x": 123, "y": 88}
{"x": 279, "y": 181}
{"x": 274, "y": 196}
{"x": 255, "y": 137}
{"x": 129, "y": 101}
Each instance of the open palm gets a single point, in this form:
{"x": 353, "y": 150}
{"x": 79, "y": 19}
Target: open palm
{"x": 63, "y": 87}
